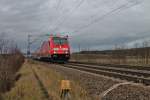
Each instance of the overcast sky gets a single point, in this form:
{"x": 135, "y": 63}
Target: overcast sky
{"x": 94, "y": 24}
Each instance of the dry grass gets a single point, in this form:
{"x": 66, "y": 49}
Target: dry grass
{"x": 9, "y": 65}
{"x": 52, "y": 80}
{"x": 109, "y": 59}
{"x": 27, "y": 87}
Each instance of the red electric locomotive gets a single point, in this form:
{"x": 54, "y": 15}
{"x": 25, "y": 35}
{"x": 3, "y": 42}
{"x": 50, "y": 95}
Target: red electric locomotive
{"x": 55, "y": 49}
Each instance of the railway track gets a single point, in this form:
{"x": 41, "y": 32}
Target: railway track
{"x": 134, "y": 75}
{"x": 116, "y": 65}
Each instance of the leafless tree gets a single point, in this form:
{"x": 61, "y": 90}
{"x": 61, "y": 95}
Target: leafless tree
{"x": 11, "y": 60}
{"x": 7, "y": 46}
{"x": 3, "y": 43}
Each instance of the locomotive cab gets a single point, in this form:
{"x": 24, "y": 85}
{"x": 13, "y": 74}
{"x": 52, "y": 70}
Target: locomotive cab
{"x": 59, "y": 48}
{"x": 55, "y": 49}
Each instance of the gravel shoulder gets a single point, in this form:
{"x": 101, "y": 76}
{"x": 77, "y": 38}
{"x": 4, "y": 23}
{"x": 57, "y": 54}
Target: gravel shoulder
{"x": 97, "y": 85}
{"x": 129, "y": 92}
{"x": 94, "y": 85}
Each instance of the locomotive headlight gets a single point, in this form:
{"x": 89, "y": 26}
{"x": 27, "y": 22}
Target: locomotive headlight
{"x": 65, "y": 48}
{"x": 66, "y": 52}
{"x": 56, "y": 49}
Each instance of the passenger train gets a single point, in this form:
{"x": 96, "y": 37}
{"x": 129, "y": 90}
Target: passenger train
{"x": 56, "y": 48}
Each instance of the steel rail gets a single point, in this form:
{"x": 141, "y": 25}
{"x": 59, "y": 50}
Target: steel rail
{"x": 147, "y": 68}
{"x": 110, "y": 73}
{"x": 141, "y": 73}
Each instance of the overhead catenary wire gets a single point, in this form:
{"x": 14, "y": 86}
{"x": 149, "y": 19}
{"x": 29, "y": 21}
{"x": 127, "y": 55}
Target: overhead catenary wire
{"x": 32, "y": 40}
{"x": 96, "y": 20}
{"x": 102, "y": 17}
{"x": 64, "y": 18}
{"x": 70, "y": 12}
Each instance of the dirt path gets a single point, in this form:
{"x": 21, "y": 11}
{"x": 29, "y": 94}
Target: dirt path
{"x": 41, "y": 85}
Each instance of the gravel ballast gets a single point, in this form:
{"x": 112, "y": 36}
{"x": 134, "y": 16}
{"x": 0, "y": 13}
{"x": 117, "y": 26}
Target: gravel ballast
{"x": 129, "y": 92}
{"x": 96, "y": 85}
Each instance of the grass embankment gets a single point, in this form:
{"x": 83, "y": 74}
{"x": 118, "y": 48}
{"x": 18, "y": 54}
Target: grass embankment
{"x": 9, "y": 66}
{"x": 52, "y": 80}
{"x": 28, "y": 88}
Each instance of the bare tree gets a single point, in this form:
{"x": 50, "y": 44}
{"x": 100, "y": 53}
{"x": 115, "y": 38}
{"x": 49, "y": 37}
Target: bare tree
{"x": 3, "y": 43}
{"x": 7, "y": 46}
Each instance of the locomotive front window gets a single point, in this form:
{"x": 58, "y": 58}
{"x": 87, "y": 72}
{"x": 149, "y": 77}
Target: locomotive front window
{"x": 58, "y": 40}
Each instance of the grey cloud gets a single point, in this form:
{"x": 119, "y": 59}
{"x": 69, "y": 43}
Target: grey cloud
{"x": 21, "y": 17}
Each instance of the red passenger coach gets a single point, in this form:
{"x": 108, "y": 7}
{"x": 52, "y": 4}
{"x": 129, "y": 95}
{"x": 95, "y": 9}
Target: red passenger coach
{"x": 55, "y": 49}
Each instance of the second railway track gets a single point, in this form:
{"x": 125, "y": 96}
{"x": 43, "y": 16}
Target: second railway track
{"x": 137, "y": 76}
